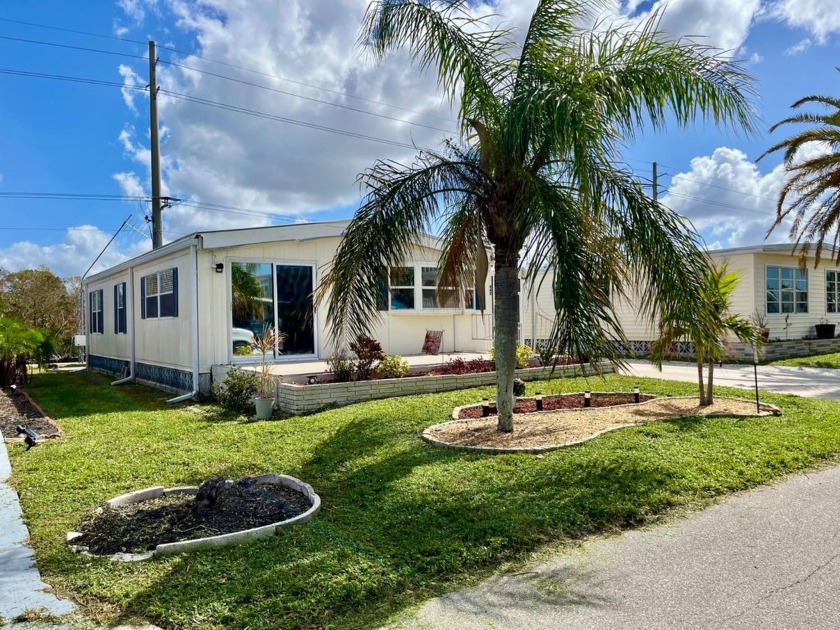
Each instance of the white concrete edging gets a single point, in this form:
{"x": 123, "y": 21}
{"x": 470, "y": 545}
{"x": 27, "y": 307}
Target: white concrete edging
{"x": 221, "y": 540}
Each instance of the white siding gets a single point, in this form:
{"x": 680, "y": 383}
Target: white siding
{"x": 108, "y": 343}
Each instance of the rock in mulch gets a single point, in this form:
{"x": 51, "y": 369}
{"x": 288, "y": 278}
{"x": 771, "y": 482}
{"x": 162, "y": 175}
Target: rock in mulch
{"x": 220, "y": 507}
{"x": 15, "y": 409}
{"x": 558, "y": 402}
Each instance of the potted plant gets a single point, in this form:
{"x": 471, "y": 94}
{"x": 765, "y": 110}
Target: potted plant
{"x": 264, "y": 401}
{"x": 824, "y": 329}
{"x": 760, "y": 321}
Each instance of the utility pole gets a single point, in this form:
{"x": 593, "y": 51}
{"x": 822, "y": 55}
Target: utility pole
{"x": 157, "y": 223}
{"x": 655, "y": 181}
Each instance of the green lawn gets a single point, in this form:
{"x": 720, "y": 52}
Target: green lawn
{"x": 401, "y": 521}
{"x": 816, "y": 360}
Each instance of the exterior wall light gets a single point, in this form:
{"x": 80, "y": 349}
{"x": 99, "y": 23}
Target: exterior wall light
{"x": 538, "y": 398}
{"x": 587, "y": 398}
{"x": 220, "y": 267}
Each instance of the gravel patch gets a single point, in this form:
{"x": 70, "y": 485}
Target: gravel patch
{"x": 562, "y": 427}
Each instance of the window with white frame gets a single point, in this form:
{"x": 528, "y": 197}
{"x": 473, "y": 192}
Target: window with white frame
{"x": 159, "y": 294}
{"x": 832, "y": 291}
{"x": 120, "y": 319}
{"x": 787, "y": 290}
{"x": 433, "y": 295}
{"x": 96, "y": 320}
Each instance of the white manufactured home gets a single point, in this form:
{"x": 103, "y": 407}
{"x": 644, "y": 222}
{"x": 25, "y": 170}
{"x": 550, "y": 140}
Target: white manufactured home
{"x": 168, "y": 316}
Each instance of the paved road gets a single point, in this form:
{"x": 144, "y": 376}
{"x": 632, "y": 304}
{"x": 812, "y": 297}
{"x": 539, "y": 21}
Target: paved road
{"x": 810, "y": 382}
{"x": 763, "y": 560}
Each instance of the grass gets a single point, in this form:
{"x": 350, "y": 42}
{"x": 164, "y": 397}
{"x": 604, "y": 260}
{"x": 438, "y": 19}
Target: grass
{"x": 817, "y": 360}
{"x": 401, "y": 521}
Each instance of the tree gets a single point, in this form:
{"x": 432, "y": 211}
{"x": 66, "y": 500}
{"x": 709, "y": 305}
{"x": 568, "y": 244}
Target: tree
{"x": 536, "y": 172}
{"x": 41, "y": 300}
{"x": 707, "y": 327}
{"x": 20, "y": 344}
{"x": 813, "y": 184}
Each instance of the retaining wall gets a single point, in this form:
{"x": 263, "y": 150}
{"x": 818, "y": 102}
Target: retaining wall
{"x": 297, "y": 399}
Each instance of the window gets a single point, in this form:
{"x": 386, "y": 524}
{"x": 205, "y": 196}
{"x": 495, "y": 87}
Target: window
{"x": 97, "y": 323}
{"x": 159, "y": 294}
{"x": 120, "y": 323}
{"x": 434, "y": 297}
{"x": 832, "y": 291}
{"x": 402, "y": 288}
{"x": 787, "y": 290}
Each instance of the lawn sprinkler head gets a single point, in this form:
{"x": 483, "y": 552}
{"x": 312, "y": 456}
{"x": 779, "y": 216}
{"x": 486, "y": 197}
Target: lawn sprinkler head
{"x": 538, "y": 398}
{"x": 587, "y": 398}
{"x": 30, "y": 434}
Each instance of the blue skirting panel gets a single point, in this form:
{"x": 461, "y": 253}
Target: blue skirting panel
{"x": 171, "y": 378}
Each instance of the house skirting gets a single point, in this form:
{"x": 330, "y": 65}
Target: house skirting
{"x": 160, "y": 376}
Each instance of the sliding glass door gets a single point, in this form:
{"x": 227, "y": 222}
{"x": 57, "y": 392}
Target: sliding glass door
{"x": 269, "y": 294}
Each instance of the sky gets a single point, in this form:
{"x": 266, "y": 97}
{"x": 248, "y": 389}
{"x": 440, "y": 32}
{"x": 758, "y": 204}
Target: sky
{"x": 269, "y": 110}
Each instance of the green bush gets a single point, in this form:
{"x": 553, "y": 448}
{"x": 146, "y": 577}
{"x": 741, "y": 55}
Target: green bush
{"x": 523, "y": 355}
{"x": 393, "y": 366}
{"x": 342, "y": 366}
{"x": 236, "y": 393}
{"x": 243, "y": 351}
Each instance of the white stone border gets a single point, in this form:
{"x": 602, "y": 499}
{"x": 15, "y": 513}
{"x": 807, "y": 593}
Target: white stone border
{"x": 221, "y": 540}
{"x": 535, "y": 450}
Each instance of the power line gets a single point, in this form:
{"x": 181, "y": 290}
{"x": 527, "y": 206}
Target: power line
{"x": 231, "y": 65}
{"x": 68, "y": 46}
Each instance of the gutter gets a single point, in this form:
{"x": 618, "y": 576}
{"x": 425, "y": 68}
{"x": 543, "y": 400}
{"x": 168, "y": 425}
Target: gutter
{"x": 133, "y": 354}
{"x": 194, "y": 332}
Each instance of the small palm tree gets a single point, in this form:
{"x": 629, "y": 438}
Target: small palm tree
{"x": 812, "y": 191}
{"x": 707, "y": 326}
{"x": 536, "y": 172}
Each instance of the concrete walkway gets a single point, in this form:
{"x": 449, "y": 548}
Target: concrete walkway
{"x": 767, "y": 560}
{"x": 810, "y": 382}
{"x": 21, "y": 587}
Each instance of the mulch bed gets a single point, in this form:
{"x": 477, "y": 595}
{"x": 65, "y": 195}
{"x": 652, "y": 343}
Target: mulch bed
{"x": 15, "y": 409}
{"x": 142, "y": 526}
{"x": 557, "y": 402}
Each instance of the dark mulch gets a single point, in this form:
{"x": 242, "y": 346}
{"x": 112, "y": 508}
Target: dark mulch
{"x": 142, "y": 526}
{"x": 560, "y": 401}
{"x": 15, "y": 409}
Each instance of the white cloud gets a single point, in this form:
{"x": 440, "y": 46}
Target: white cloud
{"x": 74, "y": 254}
{"x": 131, "y": 80}
{"x": 729, "y": 199}
{"x": 819, "y": 17}
{"x": 799, "y": 47}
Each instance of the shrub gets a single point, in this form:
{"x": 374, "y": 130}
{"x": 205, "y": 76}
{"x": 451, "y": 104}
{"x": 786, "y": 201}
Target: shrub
{"x": 523, "y": 355}
{"x": 369, "y": 353}
{"x": 545, "y": 352}
{"x": 243, "y": 351}
{"x": 459, "y": 366}
{"x": 236, "y": 393}
{"x": 342, "y": 366}
{"x": 393, "y": 366}
{"x": 518, "y": 387}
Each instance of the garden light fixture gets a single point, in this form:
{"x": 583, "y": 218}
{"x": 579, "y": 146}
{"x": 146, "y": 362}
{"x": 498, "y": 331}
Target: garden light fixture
{"x": 636, "y": 396}
{"x": 312, "y": 380}
{"x": 31, "y": 436}
{"x": 587, "y": 398}
{"x": 485, "y": 407}
{"x": 538, "y": 398}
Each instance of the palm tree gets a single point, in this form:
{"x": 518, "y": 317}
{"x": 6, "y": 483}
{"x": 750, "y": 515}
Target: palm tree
{"x": 536, "y": 172}
{"x": 707, "y": 325}
{"x": 813, "y": 182}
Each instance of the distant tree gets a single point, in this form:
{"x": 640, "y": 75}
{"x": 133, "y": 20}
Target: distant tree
{"x": 811, "y": 194}
{"x": 19, "y": 345}
{"x": 41, "y": 300}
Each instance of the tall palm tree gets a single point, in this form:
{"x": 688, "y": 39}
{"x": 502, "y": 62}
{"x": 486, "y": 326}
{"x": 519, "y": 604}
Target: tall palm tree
{"x": 536, "y": 172}
{"x": 813, "y": 184}
{"x": 707, "y": 325}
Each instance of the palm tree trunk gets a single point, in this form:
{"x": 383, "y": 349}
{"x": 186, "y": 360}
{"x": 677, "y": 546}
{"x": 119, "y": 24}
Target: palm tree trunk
{"x": 709, "y": 396}
{"x": 507, "y": 328}
{"x": 700, "y": 381}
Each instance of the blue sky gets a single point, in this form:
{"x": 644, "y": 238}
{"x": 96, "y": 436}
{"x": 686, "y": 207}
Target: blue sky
{"x": 78, "y": 138}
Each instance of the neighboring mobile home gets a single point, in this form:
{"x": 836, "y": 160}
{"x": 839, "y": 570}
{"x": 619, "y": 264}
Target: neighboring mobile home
{"x": 792, "y": 299}
{"x": 168, "y": 316}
